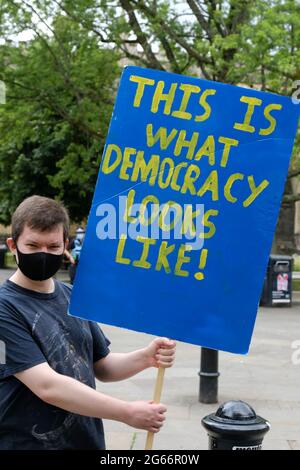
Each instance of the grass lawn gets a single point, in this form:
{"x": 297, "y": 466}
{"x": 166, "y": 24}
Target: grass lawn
{"x": 297, "y": 264}
{"x": 296, "y": 284}
{"x": 10, "y": 261}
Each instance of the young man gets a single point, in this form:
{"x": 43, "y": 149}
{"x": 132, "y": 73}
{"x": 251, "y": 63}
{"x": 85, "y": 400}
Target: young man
{"x": 47, "y": 384}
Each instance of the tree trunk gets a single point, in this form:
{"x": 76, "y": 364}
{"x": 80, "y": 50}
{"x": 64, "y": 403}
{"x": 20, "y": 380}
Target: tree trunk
{"x": 284, "y": 239}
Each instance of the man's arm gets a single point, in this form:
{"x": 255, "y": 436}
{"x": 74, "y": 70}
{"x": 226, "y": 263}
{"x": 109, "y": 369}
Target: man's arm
{"x": 73, "y": 396}
{"x": 120, "y": 366}
{"x": 115, "y": 366}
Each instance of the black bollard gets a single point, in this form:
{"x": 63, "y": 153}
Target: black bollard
{"x": 208, "y": 388}
{"x": 235, "y": 426}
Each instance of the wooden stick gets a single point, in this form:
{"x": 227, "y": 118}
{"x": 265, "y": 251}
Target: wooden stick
{"x": 156, "y": 399}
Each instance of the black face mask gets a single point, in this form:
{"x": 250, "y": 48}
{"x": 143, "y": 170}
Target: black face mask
{"x": 39, "y": 266}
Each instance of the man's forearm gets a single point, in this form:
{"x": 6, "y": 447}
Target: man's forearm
{"x": 76, "y": 397}
{"x": 121, "y": 366}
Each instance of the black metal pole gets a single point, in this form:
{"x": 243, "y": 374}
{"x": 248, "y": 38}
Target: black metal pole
{"x": 208, "y": 389}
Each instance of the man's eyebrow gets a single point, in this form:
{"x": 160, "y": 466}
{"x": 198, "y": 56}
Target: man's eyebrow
{"x": 37, "y": 242}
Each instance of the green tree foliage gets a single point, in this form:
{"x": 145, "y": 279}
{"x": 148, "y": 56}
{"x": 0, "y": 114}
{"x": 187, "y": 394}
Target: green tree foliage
{"x": 60, "y": 91}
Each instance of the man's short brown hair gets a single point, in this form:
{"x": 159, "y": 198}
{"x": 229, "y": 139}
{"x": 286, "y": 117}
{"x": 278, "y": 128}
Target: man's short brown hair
{"x": 39, "y": 213}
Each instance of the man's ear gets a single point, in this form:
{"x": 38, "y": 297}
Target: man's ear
{"x": 67, "y": 244}
{"x": 11, "y": 245}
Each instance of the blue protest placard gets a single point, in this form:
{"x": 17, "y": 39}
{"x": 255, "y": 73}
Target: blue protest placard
{"x": 185, "y": 207}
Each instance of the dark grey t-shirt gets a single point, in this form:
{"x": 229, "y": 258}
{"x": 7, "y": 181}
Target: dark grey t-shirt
{"x": 36, "y": 328}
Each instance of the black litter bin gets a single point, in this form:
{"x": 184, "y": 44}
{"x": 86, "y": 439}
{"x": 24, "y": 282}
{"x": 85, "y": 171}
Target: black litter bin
{"x": 277, "y": 287}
